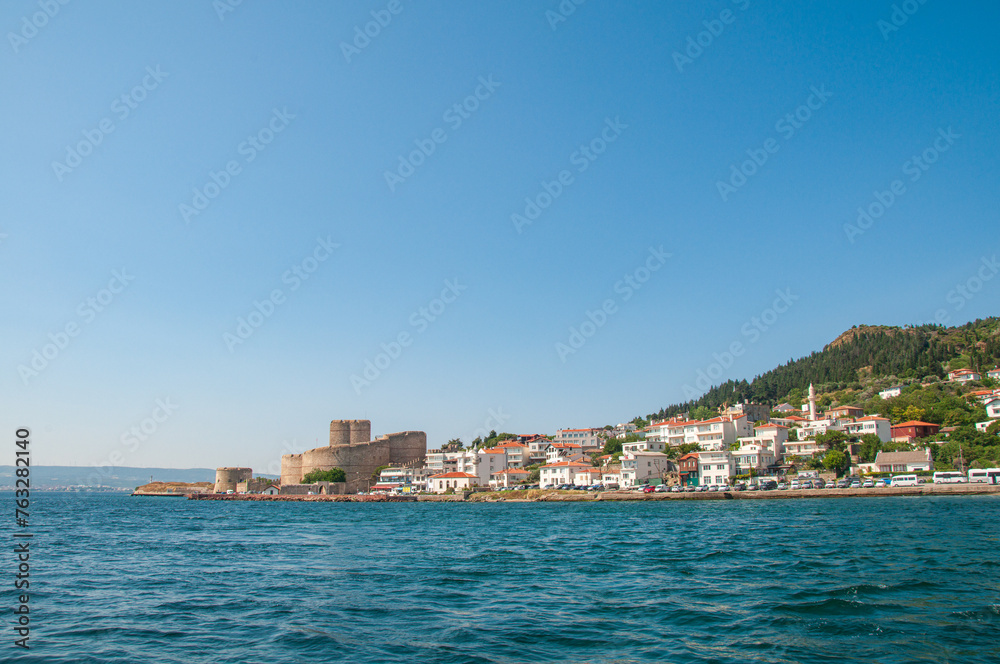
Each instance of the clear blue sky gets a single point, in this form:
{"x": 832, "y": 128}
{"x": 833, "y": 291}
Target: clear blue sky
{"x": 197, "y": 87}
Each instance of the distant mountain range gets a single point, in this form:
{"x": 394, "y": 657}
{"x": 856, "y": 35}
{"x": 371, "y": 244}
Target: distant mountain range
{"x": 54, "y": 477}
{"x": 864, "y": 354}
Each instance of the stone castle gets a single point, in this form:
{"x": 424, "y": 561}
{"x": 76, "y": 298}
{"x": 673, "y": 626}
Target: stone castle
{"x": 352, "y": 449}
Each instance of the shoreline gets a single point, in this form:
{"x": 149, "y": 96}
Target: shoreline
{"x": 583, "y": 496}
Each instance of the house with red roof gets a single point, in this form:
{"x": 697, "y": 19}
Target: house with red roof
{"x": 457, "y": 481}
{"x": 907, "y": 431}
{"x": 560, "y": 472}
{"x": 963, "y": 376}
{"x": 508, "y": 477}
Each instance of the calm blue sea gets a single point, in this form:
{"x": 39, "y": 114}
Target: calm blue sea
{"x": 154, "y": 580}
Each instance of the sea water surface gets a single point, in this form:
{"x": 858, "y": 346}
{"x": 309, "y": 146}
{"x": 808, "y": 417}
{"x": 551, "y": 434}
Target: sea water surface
{"x": 123, "y": 579}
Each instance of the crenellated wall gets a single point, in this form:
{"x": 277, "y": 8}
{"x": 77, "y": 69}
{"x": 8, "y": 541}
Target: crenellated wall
{"x": 352, "y": 450}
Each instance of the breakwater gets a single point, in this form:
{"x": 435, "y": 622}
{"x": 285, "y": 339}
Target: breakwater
{"x": 538, "y": 495}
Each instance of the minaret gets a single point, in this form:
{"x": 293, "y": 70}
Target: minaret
{"x": 812, "y": 403}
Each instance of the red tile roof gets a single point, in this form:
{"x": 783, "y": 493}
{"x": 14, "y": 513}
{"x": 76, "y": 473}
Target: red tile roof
{"x": 914, "y": 423}
{"x": 452, "y": 475}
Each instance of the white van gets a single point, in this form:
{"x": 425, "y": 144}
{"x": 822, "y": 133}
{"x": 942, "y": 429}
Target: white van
{"x": 904, "y": 480}
{"x": 984, "y": 475}
{"x": 949, "y": 477}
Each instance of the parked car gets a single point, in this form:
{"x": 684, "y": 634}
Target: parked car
{"x": 869, "y": 483}
{"x": 768, "y": 485}
{"x": 782, "y": 486}
{"x": 819, "y": 483}
{"x": 807, "y": 484}
{"x": 702, "y": 487}
{"x": 856, "y": 484}
{"x": 795, "y": 485}
{"x": 662, "y": 488}
{"x": 690, "y": 489}
{"x": 648, "y": 489}
{"x": 842, "y": 484}
{"x": 677, "y": 488}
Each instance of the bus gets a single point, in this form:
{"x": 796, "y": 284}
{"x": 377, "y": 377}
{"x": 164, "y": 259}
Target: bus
{"x": 984, "y": 475}
{"x": 949, "y": 477}
{"x": 904, "y": 480}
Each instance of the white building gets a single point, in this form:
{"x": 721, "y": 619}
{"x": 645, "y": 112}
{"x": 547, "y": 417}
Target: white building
{"x": 993, "y": 373}
{"x": 644, "y": 446}
{"x": 716, "y": 467}
{"x": 587, "y": 476}
{"x": 640, "y": 467}
{"x": 993, "y": 408}
{"x": 879, "y": 426}
{"x": 588, "y": 439}
{"x": 623, "y": 429}
{"x": 405, "y": 476}
{"x": 508, "y": 477}
{"x": 560, "y": 472}
{"x": 801, "y": 448}
{"x": 963, "y": 376}
{"x": 563, "y": 452}
{"x": 813, "y": 428}
{"x": 713, "y": 434}
{"x": 518, "y": 454}
{"x": 537, "y": 448}
{"x": 457, "y": 481}
{"x": 890, "y": 392}
{"x": 904, "y": 462}
{"x": 752, "y": 457}
{"x": 769, "y": 436}
{"x": 491, "y": 460}
{"x": 460, "y": 461}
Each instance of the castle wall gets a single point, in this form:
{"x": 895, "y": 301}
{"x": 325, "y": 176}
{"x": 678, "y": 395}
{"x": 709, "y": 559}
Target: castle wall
{"x": 226, "y": 479}
{"x": 358, "y": 460}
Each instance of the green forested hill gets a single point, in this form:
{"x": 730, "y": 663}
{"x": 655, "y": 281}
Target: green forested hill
{"x": 861, "y": 355}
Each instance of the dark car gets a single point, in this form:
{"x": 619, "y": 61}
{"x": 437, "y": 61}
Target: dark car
{"x": 768, "y": 485}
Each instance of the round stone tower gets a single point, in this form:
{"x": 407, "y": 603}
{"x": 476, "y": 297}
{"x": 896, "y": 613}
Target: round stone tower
{"x": 361, "y": 431}
{"x": 226, "y": 478}
{"x": 340, "y": 433}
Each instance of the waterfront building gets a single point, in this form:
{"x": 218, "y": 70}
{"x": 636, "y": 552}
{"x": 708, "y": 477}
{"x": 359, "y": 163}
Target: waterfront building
{"x": 563, "y": 452}
{"x": 508, "y": 477}
{"x": 560, "y": 472}
{"x": 641, "y": 467}
{"x": 688, "y": 466}
{"x": 457, "y": 481}
{"x": 904, "y": 462}
{"x": 716, "y": 467}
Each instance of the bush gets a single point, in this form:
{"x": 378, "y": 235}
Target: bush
{"x": 332, "y": 475}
